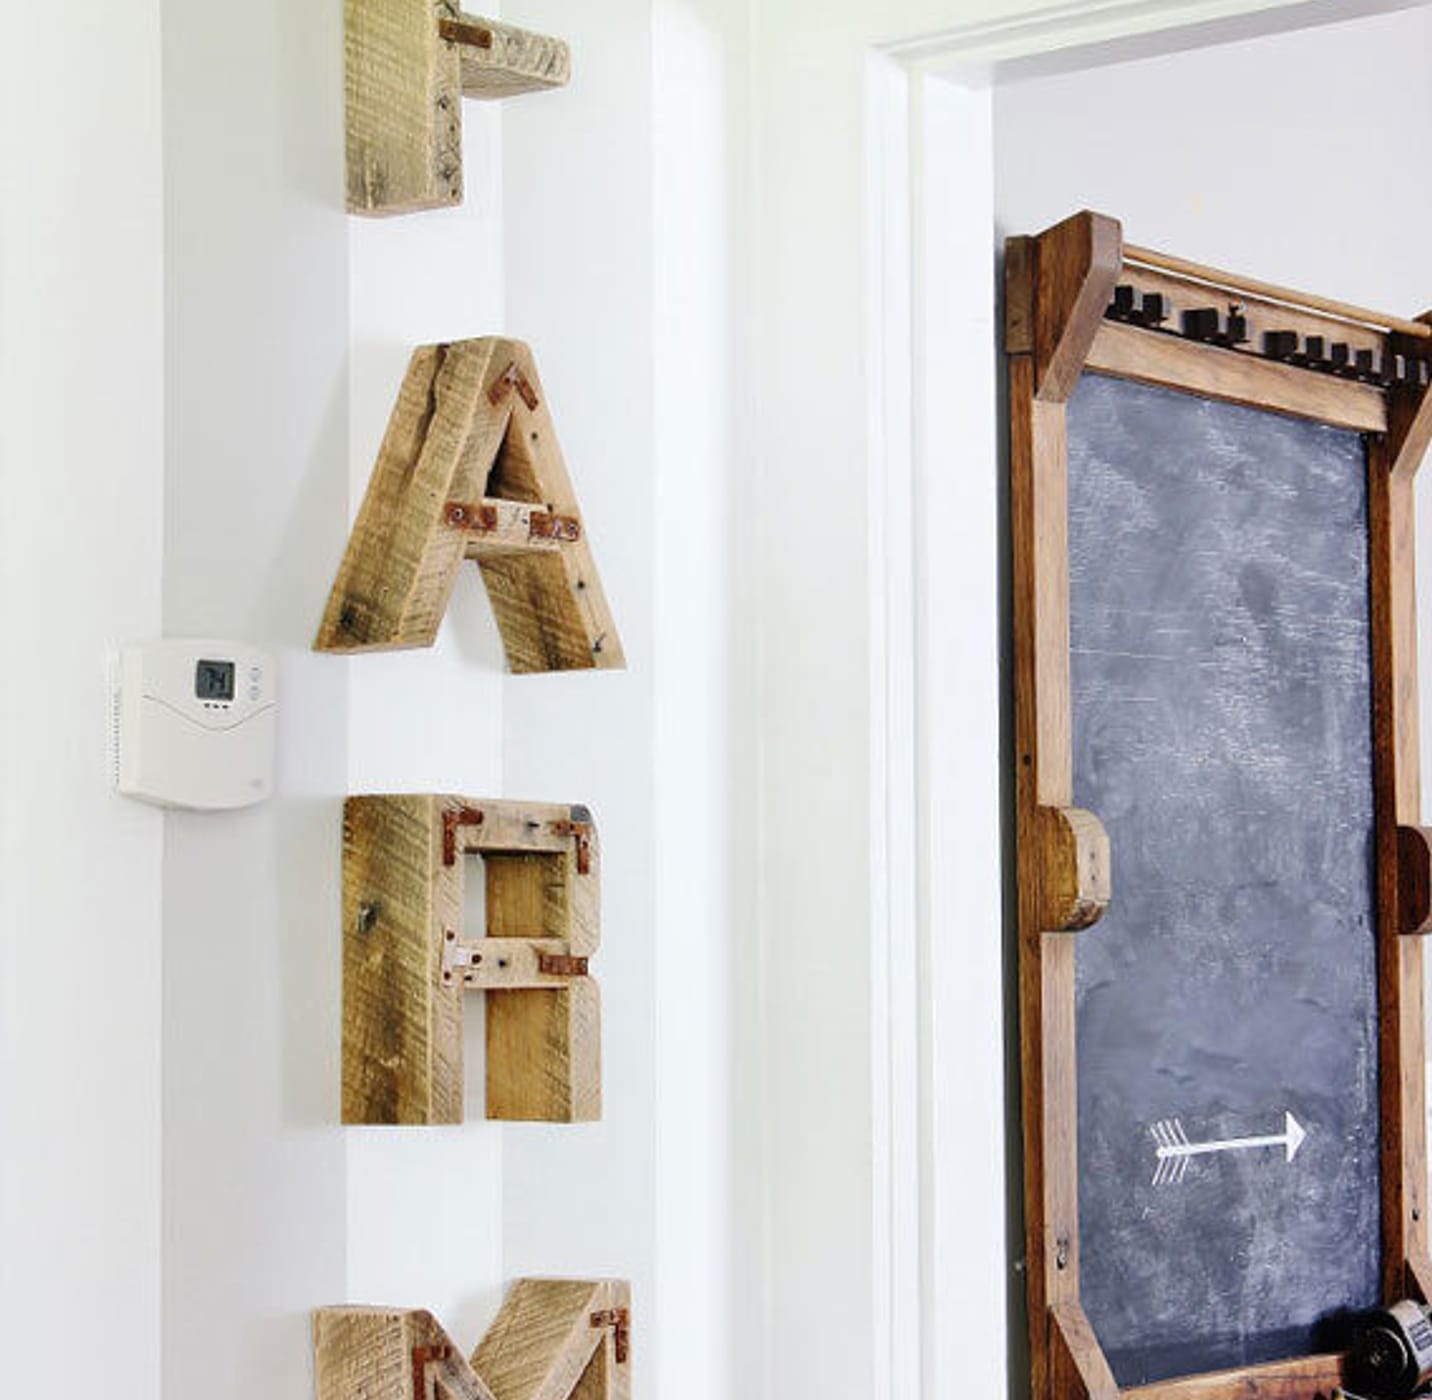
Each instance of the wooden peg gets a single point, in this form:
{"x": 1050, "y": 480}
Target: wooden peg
{"x": 1075, "y": 880}
{"x": 1280, "y": 345}
{"x": 1203, "y": 323}
{"x": 1414, "y": 879}
{"x": 1075, "y": 276}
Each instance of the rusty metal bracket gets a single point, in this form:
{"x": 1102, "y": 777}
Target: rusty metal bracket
{"x": 475, "y": 36}
{"x": 561, "y": 965}
{"x": 513, "y": 378}
{"x": 619, "y": 1320}
{"x": 462, "y": 516}
{"x": 581, "y": 833}
{"x": 454, "y": 818}
{"x": 548, "y": 525}
{"x": 423, "y": 1357}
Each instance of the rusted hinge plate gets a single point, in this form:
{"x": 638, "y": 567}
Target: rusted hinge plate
{"x": 581, "y": 833}
{"x": 453, "y": 819}
{"x": 561, "y": 965}
{"x": 463, "y": 516}
{"x": 484, "y": 518}
{"x": 548, "y": 525}
{"x": 475, "y": 36}
{"x": 513, "y": 378}
{"x": 619, "y": 1320}
{"x": 505, "y": 964}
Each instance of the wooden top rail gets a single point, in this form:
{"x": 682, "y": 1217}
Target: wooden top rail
{"x": 1268, "y": 291}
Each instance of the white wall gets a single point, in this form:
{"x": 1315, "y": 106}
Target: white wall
{"x": 81, "y": 468}
{"x": 425, "y": 1206}
{"x": 256, "y": 473}
{"x": 618, "y": 231}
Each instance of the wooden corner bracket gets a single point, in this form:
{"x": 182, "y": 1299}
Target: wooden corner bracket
{"x": 409, "y": 64}
{"x": 407, "y": 961}
{"x": 470, "y": 468}
{"x": 554, "y": 1339}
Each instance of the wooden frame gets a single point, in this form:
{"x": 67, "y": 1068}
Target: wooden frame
{"x": 470, "y": 468}
{"x": 407, "y": 962}
{"x": 1077, "y": 299}
{"x": 554, "y": 1339}
{"x": 408, "y": 65}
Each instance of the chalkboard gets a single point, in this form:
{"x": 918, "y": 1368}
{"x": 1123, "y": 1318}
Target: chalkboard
{"x": 1222, "y": 731}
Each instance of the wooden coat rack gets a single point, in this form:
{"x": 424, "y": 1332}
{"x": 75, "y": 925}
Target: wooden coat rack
{"x": 470, "y": 469}
{"x": 554, "y": 1339}
{"x": 409, "y": 64}
{"x": 407, "y": 962}
{"x": 1077, "y": 300}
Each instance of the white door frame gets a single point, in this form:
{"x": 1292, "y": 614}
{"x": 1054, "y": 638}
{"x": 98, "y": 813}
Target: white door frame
{"x": 938, "y": 1047}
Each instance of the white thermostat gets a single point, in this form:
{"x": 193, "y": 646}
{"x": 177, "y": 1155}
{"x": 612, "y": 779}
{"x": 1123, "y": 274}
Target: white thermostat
{"x": 193, "y": 723}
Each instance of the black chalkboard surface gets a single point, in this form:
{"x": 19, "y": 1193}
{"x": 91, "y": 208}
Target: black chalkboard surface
{"x": 1218, "y": 564}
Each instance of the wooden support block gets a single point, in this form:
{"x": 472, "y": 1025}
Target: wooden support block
{"x": 470, "y": 468}
{"x": 1075, "y": 880}
{"x": 1078, "y": 1369}
{"x": 1414, "y": 879}
{"x": 408, "y": 65}
{"x": 407, "y": 962}
{"x": 1076, "y": 271}
{"x": 553, "y": 1339}
{"x": 1409, "y": 410}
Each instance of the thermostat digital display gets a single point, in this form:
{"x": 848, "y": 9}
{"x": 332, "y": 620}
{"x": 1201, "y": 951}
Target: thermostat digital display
{"x": 193, "y": 723}
{"x": 214, "y": 680}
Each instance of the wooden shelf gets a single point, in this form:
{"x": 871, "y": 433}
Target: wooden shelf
{"x": 554, "y": 1339}
{"x": 470, "y": 468}
{"x": 409, "y": 64}
{"x": 407, "y": 961}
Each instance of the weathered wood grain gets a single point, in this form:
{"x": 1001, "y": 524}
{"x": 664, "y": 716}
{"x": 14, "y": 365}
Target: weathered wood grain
{"x": 513, "y": 61}
{"x": 544, "y": 1054}
{"x": 408, "y": 64}
{"x": 1302, "y": 1378}
{"x": 1131, "y": 352}
{"x": 402, "y": 1028}
{"x": 1075, "y": 880}
{"x": 1252, "y": 287}
{"x": 470, "y": 467}
{"x": 1392, "y": 464}
{"x": 553, "y": 1339}
{"x": 408, "y": 961}
{"x": 544, "y": 1344}
{"x": 1076, "y": 266}
{"x": 404, "y": 107}
{"x": 1409, "y": 419}
{"x": 388, "y": 1354}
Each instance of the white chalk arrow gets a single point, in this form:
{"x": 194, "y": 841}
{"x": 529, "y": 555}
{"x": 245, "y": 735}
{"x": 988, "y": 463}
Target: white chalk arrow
{"x": 1175, "y": 1151}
